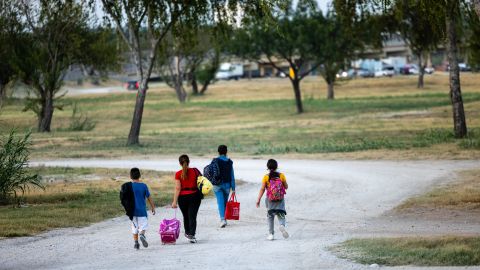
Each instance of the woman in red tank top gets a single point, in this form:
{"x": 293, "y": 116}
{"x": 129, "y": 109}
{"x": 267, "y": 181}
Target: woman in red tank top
{"x": 188, "y": 196}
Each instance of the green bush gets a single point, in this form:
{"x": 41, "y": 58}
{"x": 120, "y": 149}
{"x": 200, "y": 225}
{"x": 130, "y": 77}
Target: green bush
{"x": 79, "y": 121}
{"x": 14, "y": 176}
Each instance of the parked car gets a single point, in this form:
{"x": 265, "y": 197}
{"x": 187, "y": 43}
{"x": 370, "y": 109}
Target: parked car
{"x": 464, "y": 67}
{"x": 229, "y": 71}
{"x": 409, "y": 69}
{"x": 387, "y": 71}
{"x": 429, "y": 70}
{"x": 346, "y": 74}
{"x": 132, "y": 85}
{"x": 364, "y": 73}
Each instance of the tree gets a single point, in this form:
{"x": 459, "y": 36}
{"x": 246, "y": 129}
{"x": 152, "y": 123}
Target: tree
{"x": 203, "y": 70}
{"x": 286, "y": 36}
{"x": 57, "y": 34}
{"x": 10, "y": 29}
{"x": 158, "y": 17}
{"x": 338, "y": 43}
{"x": 204, "y": 59}
{"x": 130, "y": 17}
{"x": 472, "y": 36}
{"x": 450, "y": 11}
{"x": 175, "y": 56}
{"x": 477, "y": 6}
{"x": 343, "y": 36}
{"x": 420, "y": 28}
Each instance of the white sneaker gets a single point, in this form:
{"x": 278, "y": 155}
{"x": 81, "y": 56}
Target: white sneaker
{"x": 284, "y": 231}
{"x": 223, "y": 223}
{"x": 270, "y": 237}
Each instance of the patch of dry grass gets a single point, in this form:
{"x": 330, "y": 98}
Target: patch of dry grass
{"x": 421, "y": 251}
{"x": 463, "y": 194}
{"x": 72, "y": 201}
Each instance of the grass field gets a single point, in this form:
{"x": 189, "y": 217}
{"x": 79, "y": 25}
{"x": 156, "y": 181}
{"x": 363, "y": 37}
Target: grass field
{"x": 76, "y": 197}
{"x": 370, "y": 118}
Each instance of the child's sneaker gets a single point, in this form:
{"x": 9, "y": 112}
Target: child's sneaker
{"x": 192, "y": 239}
{"x": 144, "y": 240}
{"x": 136, "y": 246}
{"x": 270, "y": 237}
{"x": 284, "y": 231}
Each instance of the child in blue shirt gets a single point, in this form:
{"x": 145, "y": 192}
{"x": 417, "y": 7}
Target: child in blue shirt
{"x": 140, "y": 221}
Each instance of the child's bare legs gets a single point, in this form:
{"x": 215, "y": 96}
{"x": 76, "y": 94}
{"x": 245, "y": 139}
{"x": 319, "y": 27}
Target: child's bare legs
{"x": 135, "y": 238}
{"x": 143, "y": 239}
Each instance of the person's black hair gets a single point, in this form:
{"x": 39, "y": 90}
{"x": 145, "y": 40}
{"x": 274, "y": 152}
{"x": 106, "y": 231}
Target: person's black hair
{"x": 222, "y": 149}
{"x": 272, "y": 165}
{"x": 184, "y": 161}
{"x": 135, "y": 174}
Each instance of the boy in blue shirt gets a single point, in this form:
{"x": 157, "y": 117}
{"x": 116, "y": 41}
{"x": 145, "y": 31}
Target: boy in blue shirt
{"x": 139, "y": 220}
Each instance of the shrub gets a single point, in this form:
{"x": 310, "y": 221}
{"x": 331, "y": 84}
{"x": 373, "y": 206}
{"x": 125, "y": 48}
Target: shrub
{"x": 79, "y": 121}
{"x": 14, "y": 175}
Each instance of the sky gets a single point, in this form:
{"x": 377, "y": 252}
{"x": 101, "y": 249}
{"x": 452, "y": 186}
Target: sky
{"x": 322, "y": 4}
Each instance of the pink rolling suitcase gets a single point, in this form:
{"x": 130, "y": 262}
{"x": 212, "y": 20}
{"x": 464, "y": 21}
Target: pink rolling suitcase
{"x": 169, "y": 230}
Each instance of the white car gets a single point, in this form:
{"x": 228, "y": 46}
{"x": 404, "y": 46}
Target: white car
{"x": 387, "y": 71}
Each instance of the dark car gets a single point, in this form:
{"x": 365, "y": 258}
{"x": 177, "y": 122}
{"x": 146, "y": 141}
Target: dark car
{"x": 132, "y": 85}
{"x": 409, "y": 69}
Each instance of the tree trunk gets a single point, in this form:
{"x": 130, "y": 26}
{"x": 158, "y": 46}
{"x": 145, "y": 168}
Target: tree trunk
{"x": 2, "y": 94}
{"x": 179, "y": 90}
{"x": 477, "y": 6}
{"x": 421, "y": 72}
{"x": 298, "y": 96}
{"x": 459, "y": 123}
{"x": 133, "y": 136}
{"x": 178, "y": 77}
{"x": 331, "y": 93}
{"x": 205, "y": 87}
{"x": 46, "y": 113}
{"x": 194, "y": 83}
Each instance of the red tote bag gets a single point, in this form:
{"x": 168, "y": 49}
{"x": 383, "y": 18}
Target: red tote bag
{"x": 232, "y": 210}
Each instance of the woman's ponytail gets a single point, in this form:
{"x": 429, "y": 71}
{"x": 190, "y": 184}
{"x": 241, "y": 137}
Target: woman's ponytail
{"x": 184, "y": 161}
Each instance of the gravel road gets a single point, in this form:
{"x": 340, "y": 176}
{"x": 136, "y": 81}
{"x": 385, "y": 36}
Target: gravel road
{"x": 327, "y": 202}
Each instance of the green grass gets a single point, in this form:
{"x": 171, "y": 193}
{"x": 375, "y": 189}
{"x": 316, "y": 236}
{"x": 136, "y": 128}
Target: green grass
{"x": 73, "y": 202}
{"x": 259, "y": 117}
{"x": 435, "y": 251}
{"x": 280, "y": 141}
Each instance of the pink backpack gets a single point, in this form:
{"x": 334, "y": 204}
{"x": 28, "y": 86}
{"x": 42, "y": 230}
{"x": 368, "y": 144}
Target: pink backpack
{"x": 169, "y": 230}
{"x": 276, "y": 190}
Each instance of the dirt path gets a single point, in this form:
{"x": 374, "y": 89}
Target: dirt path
{"x": 328, "y": 202}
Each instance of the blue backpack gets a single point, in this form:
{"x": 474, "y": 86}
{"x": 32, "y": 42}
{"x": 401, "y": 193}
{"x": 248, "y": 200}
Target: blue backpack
{"x": 212, "y": 172}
